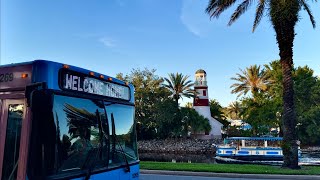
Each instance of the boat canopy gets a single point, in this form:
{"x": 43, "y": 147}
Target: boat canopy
{"x": 255, "y": 138}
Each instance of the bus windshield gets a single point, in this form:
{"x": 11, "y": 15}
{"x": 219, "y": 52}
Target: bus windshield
{"x": 123, "y": 139}
{"x": 76, "y": 136}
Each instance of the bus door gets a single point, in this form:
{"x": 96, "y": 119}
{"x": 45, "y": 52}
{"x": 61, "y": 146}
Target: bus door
{"x": 12, "y": 113}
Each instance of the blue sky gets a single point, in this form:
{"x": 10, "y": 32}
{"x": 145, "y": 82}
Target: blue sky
{"x": 114, "y": 36}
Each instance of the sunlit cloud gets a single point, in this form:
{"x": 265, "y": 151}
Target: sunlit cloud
{"x": 195, "y": 19}
{"x": 108, "y": 42}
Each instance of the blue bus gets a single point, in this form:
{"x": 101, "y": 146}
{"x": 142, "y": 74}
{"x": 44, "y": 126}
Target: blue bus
{"x": 59, "y": 121}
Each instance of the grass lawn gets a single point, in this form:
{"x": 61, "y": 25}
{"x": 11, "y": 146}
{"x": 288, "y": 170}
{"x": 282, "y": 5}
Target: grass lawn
{"x": 229, "y": 168}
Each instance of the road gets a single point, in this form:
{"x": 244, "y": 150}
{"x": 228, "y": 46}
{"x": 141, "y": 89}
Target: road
{"x": 177, "y": 177}
{"x": 186, "y": 175}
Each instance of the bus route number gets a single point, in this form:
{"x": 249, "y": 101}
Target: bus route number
{"x": 7, "y": 77}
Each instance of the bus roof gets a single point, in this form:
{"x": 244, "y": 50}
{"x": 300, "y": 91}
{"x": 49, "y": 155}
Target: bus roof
{"x": 58, "y": 65}
{"x": 48, "y": 71}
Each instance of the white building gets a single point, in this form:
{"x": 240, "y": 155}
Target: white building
{"x": 201, "y": 105}
{"x": 240, "y": 124}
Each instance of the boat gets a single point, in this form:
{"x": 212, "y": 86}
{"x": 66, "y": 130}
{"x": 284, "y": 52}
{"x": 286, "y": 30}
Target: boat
{"x": 243, "y": 149}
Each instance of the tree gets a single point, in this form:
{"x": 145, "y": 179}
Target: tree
{"x": 179, "y": 86}
{"x": 165, "y": 117}
{"x": 275, "y": 91}
{"x": 274, "y": 72}
{"x": 283, "y": 15}
{"x": 151, "y": 101}
{"x": 251, "y": 80}
{"x": 193, "y": 122}
{"x": 234, "y": 110}
{"x": 309, "y": 129}
{"x": 265, "y": 111}
{"x": 306, "y": 87}
{"x": 217, "y": 112}
{"x": 307, "y": 90}
{"x": 260, "y": 113}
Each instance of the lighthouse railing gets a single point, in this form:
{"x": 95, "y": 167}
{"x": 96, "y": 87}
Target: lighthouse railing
{"x": 200, "y": 83}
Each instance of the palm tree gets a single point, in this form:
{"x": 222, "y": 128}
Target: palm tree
{"x": 179, "y": 86}
{"x": 216, "y": 110}
{"x": 283, "y": 15}
{"x": 234, "y": 110}
{"x": 252, "y": 79}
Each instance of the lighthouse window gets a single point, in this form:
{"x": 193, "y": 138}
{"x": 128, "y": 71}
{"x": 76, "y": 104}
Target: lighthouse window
{"x": 204, "y": 93}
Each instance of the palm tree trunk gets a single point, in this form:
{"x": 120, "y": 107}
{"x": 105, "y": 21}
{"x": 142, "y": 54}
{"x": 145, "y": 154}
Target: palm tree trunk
{"x": 176, "y": 99}
{"x": 285, "y": 37}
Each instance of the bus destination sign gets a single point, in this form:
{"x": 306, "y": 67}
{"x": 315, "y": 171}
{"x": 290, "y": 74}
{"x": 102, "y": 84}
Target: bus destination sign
{"x": 81, "y": 83}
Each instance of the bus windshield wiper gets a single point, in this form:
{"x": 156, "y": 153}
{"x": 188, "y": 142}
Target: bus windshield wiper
{"x": 114, "y": 137}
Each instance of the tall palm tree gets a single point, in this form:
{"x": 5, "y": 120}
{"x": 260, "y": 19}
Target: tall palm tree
{"x": 250, "y": 80}
{"x": 179, "y": 86}
{"x": 284, "y": 15}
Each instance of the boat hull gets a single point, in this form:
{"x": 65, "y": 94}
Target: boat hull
{"x": 254, "y": 158}
{"x": 221, "y": 160}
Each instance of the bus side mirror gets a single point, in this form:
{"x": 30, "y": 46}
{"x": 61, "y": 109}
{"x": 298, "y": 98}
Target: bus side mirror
{"x": 30, "y": 89}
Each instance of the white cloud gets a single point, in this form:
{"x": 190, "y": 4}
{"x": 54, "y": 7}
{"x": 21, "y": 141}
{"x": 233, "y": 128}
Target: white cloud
{"x": 108, "y": 42}
{"x": 193, "y": 16}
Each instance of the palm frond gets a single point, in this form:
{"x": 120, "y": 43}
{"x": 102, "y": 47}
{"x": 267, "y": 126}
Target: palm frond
{"x": 216, "y": 7}
{"x": 179, "y": 85}
{"x": 251, "y": 79}
{"x": 239, "y": 11}
{"x": 169, "y": 85}
{"x": 259, "y": 14}
{"x": 306, "y": 7}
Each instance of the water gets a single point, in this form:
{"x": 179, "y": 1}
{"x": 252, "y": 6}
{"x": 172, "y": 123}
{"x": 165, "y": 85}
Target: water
{"x": 310, "y": 158}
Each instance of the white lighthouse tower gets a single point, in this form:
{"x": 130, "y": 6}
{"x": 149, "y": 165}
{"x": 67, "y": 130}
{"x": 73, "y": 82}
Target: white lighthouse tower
{"x": 201, "y": 105}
